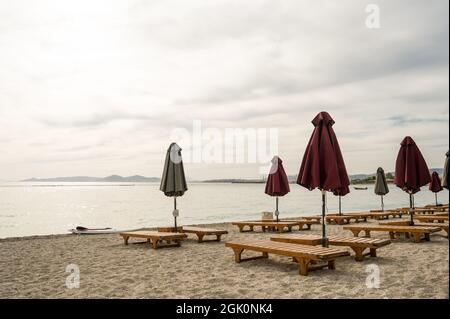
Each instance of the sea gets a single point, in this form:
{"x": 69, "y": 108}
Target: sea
{"x": 31, "y": 208}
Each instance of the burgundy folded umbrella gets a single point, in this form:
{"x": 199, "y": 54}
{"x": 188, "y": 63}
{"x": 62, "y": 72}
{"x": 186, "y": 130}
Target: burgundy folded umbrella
{"x": 323, "y": 166}
{"x": 277, "y": 181}
{"x": 435, "y": 185}
{"x": 341, "y": 192}
{"x": 411, "y": 170}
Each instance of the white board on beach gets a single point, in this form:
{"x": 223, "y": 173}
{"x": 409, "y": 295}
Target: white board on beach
{"x": 88, "y": 231}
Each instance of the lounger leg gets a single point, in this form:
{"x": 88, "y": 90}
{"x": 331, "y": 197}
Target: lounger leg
{"x": 154, "y": 243}
{"x": 303, "y": 265}
{"x": 416, "y": 237}
{"x": 391, "y": 235}
{"x": 358, "y": 253}
{"x": 373, "y": 252}
{"x": 331, "y": 265}
{"x": 427, "y": 236}
{"x": 218, "y": 237}
{"x": 125, "y": 240}
{"x": 200, "y": 238}
{"x": 237, "y": 254}
{"x": 367, "y": 233}
{"x": 355, "y": 232}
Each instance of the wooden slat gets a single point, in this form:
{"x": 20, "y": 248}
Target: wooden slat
{"x": 287, "y": 249}
{"x": 149, "y": 234}
{"x": 205, "y": 231}
{"x": 332, "y": 240}
{"x": 393, "y": 228}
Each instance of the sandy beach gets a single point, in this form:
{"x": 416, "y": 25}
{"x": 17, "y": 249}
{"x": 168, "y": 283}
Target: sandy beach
{"x": 35, "y": 267}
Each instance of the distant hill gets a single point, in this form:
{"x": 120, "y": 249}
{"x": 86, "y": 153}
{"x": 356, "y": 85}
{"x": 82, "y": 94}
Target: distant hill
{"x": 355, "y": 178}
{"x": 235, "y": 181}
{"x": 362, "y": 178}
{"x": 110, "y": 179}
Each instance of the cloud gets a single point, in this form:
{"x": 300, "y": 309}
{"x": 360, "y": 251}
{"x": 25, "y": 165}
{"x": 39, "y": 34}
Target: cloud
{"x": 405, "y": 120}
{"x": 97, "y": 87}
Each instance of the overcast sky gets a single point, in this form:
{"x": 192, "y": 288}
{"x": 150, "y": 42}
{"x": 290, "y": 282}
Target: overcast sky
{"x": 96, "y": 87}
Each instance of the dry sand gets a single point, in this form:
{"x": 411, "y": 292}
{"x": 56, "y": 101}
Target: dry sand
{"x": 34, "y": 267}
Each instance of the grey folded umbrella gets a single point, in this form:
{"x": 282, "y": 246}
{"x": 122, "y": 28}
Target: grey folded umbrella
{"x": 445, "y": 178}
{"x": 381, "y": 187}
{"x": 173, "y": 181}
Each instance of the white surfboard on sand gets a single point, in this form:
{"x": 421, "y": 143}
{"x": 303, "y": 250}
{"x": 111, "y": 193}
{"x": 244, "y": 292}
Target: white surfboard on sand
{"x": 93, "y": 231}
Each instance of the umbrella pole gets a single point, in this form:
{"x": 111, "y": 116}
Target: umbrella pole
{"x": 276, "y": 208}
{"x": 411, "y": 208}
{"x": 340, "y": 207}
{"x": 382, "y": 204}
{"x": 435, "y": 195}
{"x": 324, "y": 239}
{"x": 174, "y": 212}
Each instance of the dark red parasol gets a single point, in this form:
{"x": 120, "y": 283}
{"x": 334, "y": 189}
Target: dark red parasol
{"x": 323, "y": 166}
{"x": 411, "y": 170}
{"x": 435, "y": 185}
{"x": 277, "y": 181}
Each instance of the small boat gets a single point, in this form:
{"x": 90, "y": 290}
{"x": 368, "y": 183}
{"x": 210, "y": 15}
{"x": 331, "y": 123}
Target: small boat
{"x": 361, "y": 188}
{"x": 80, "y": 230}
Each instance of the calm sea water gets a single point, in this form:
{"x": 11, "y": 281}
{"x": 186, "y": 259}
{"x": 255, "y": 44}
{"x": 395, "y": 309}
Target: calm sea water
{"x": 44, "y": 208}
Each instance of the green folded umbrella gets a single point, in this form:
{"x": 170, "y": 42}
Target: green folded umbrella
{"x": 381, "y": 187}
{"x": 173, "y": 181}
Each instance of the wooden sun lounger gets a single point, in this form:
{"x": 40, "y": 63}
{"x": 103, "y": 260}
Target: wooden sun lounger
{"x": 357, "y": 244}
{"x": 425, "y": 211}
{"x": 422, "y": 211}
{"x": 303, "y": 255}
{"x": 377, "y": 214}
{"x": 441, "y": 208}
{"x": 155, "y": 238}
{"x": 316, "y": 219}
{"x": 310, "y": 221}
{"x": 441, "y": 214}
{"x": 346, "y": 218}
{"x": 202, "y": 232}
{"x": 432, "y": 219}
{"x": 441, "y": 226}
{"x": 338, "y": 219}
{"x": 416, "y": 231}
{"x": 280, "y": 226}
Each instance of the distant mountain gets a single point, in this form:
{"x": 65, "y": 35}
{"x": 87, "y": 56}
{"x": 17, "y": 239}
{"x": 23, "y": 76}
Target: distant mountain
{"x": 235, "y": 181}
{"x": 366, "y": 177}
{"x": 110, "y": 179}
{"x": 143, "y": 179}
{"x": 440, "y": 171}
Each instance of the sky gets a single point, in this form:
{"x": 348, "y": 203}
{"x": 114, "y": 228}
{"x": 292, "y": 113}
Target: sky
{"x": 98, "y": 87}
